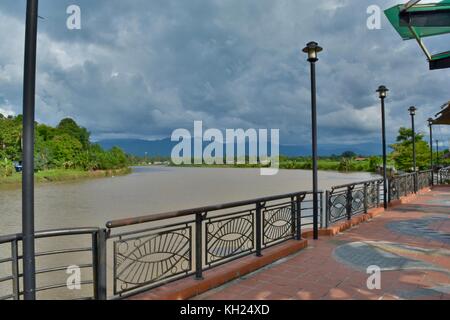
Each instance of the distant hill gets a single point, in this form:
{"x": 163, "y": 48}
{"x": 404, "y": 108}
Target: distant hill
{"x": 164, "y": 148}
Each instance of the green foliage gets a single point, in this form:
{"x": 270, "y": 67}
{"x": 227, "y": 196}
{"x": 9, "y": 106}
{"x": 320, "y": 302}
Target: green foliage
{"x": 402, "y": 153}
{"x": 6, "y": 168}
{"x": 65, "y": 147}
{"x": 10, "y": 138}
{"x": 346, "y": 164}
{"x": 374, "y": 163}
{"x": 70, "y": 127}
{"x": 348, "y": 154}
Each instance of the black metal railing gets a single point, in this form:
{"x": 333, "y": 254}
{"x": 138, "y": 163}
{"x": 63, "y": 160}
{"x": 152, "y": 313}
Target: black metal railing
{"x": 345, "y": 201}
{"x": 443, "y": 176}
{"x": 401, "y": 186}
{"x": 424, "y": 179}
{"x": 166, "y": 247}
{"x": 409, "y": 183}
{"x": 54, "y": 261}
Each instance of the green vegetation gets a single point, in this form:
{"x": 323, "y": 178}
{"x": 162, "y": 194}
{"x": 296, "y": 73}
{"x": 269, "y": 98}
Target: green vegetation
{"x": 63, "y": 151}
{"x": 59, "y": 175}
{"x": 347, "y": 162}
{"x": 402, "y": 153}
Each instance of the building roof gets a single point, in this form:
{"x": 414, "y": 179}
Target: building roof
{"x": 443, "y": 117}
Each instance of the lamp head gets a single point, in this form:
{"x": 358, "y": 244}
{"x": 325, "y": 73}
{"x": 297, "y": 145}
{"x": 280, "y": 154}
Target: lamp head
{"x": 412, "y": 110}
{"x": 312, "y": 49}
{"x": 382, "y": 92}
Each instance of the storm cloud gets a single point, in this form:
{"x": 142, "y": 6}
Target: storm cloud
{"x": 140, "y": 69}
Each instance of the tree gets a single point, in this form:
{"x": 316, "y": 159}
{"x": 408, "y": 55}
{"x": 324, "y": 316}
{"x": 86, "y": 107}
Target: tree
{"x": 66, "y": 146}
{"x": 348, "y": 154}
{"x": 346, "y": 164}
{"x": 66, "y": 151}
{"x": 70, "y": 127}
{"x": 402, "y": 153}
{"x": 10, "y": 138}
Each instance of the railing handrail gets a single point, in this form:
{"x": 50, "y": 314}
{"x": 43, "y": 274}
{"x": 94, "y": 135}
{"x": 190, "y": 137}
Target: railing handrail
{"x": 402, "y": 175}
{"x": 50, "y": 233}
{"x": 186, "y": 212}
{"x": 356, "y": 183}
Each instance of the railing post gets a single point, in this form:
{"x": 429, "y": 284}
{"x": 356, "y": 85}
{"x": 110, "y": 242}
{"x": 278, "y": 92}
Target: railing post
{"x": 198, "y": 246}
{"x": 327, "y": 209}
{"x": 293, "y": 220}
{"x": 258, "y": 229}
{"x": 384, "y": 193}
{"x": 298, "y": 235}
{"x": 416, "y": 182}
{"x": 99, "y": 264}
{"x": 349, "y": 202}
{"x": 389, "y": 193}
{"x": 15, "y": 269}
{"x": 321, "y": 209}
{"x": 365, "y": 198}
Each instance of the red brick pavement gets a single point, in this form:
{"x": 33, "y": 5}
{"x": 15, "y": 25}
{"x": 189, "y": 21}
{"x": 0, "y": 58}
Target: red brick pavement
{"x": 315, "y": 273}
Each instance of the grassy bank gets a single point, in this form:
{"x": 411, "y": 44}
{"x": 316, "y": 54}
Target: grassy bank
{"x": 294, "y": 164}
{"x": 59, "y": 175}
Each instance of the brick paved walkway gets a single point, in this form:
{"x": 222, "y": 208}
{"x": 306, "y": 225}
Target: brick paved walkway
{"x": 410, "y": 243}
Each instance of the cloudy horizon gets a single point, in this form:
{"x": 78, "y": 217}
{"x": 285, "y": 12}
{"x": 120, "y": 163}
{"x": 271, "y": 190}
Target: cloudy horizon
{"x": 141, "y": 69}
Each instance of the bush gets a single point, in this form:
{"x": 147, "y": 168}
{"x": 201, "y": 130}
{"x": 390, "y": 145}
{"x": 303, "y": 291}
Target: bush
{"x": 6, "y": 168}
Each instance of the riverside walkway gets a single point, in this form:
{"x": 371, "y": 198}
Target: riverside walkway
{"x": 410, "y": 243}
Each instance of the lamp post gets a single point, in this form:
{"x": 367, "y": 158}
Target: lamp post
{"x": 312, "y": 49}
{"x": 430, "y": 125}
{"x": 412, "y": 111}
{"x": 29, "y": 85}
{"x": 382, "y": 93}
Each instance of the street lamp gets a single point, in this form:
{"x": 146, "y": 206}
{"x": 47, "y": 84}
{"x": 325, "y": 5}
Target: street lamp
{"x": 312, "y": 49}
{"x": 29, "y": 87}
{"x": 382, "y": 93}
{"x": 412, "y": 111}
{"x": 430, "y": 124}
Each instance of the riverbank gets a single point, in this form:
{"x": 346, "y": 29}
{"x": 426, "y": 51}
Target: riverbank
{"x": 60, "y": 175}
{"x": 323, "y": 165}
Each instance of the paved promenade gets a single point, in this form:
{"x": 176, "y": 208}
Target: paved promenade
{"x": 410, "y": 243}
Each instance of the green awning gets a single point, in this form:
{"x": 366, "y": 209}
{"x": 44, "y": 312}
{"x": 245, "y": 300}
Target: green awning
{"x": 416, "y": 21}
{"x": 393, "y": 14}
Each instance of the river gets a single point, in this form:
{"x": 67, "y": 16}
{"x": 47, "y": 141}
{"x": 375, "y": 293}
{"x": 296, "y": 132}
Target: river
{"x": 155, "y": 189}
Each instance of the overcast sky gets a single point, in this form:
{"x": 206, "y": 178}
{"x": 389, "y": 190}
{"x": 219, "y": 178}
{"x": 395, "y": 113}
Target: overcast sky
{"x": 142, "y": 68}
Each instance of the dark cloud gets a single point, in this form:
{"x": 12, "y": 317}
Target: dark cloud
{"x": 144, "y": 68}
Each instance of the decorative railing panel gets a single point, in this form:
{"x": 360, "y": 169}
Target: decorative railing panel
{"x": 230, "y": 236}
{"x": 279, "y": 222}
{"x": 424, "y": 179}
{"x": 444, "y": 176}
{"x": 151, "y": 257}
{"x": 345, "y": 201}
